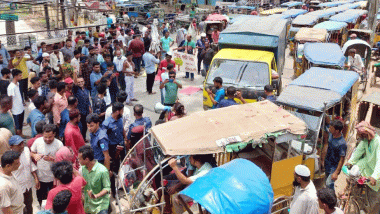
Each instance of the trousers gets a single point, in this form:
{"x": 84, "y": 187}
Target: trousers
{"x": 150, "y": 82}
{"x": 129, "y": 83}
{"x": 28, "y": 201}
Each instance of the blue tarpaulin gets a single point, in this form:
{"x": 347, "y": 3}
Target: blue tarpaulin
{"x": 345, "y": 17}
{"x": 291, "y": 4}
{"x": 322, "y": 13}
{"x": 241, "y": 187}
{"x": 324, "y": 54}
{"x": 294, "y": 12}
{"x": 305, "y": 20}
{"x": 331, "y": 25}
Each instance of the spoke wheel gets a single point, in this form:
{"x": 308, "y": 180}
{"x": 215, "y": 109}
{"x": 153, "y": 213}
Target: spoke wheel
{"x": 352, "y": 207}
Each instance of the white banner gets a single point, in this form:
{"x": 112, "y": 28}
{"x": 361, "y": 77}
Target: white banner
{"x": 186, "y": 61}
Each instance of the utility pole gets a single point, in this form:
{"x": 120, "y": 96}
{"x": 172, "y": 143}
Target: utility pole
{"x": 372, "y": 13}
{"x": 62, "y": 2}
{"x": 47, "y": 20}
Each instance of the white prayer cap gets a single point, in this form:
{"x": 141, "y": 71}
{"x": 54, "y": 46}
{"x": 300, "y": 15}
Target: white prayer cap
{"x": 45, "y": 55}
{"x": 302, "y": 170}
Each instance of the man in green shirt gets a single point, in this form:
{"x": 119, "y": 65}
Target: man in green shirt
{"x": 189, "y": 47}
{"x": 171, "y": 86}
{"x": 166, "y": 43}
{"x": 98, "y": 187}
{"x": 192, "y": 12}
{"x": 6, "y": 120}
{"x": 367, "y": 158}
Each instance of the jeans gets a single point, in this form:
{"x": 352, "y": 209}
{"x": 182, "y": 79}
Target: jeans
{"x": 137, "y": 61}
{"x": 206, "y": 66}
{"x": 191, "y": 75}
{"x": 122, "y": 81}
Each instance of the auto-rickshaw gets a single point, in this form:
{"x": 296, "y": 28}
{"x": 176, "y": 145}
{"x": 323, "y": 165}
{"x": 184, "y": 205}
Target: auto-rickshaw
{"x": 314, "y": 4}
{"x": 252, "y": 196}
{"x": 369, "y": 102}
{"x": 261, "y": 132}
{"x": 302, "y": 21}
{"x": 292, "y": 5}
{"x": 361, "y": 34}
{"x": 364, "y": 50}
{"x": 269, "y": 12}
{"x": 350, "y": 18}
{"x": 305, "y": 35}
{"x": 318, "y": 93}
{"x": 337, "y": 31}
{"x": 362, "y": 16}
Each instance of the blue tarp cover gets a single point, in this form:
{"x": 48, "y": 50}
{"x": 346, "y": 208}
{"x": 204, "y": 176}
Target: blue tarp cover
{"x": 305, "y": 20}
{"x": 235, "y": 187}
{"x": 291, "y": 4}
{"x": 280, "y": 16}
{"x": 294, "y": 12}
{"x": 322, "y": 13}
{"x": 345, "y": 17}
{"x": 331, "y": 25}
{"x": 324, "y": 54}
{"x": 331, "y": 4}
{"x": 339, "y": 81}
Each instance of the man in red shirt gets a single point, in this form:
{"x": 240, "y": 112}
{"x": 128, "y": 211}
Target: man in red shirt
{"x": 63, "y": 172}
{"x": 164, "y": 64}
{"x": 137, "y": 48}
{"x": 73, "y": 136}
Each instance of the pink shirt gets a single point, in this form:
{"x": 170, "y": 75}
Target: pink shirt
{"x": 75, "y": 187}
{"x": 73, "y": 138}
{"x": 60, "y": 103}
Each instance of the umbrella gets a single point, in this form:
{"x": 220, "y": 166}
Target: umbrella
{"x": 216, "y": 17}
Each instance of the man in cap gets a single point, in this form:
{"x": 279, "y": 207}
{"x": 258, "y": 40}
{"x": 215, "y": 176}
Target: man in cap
{"x": 26, "y": 174}
{"x": 305, "y": 198}
{"x": 69, "y": 86}
{"x": 367, "y": 159}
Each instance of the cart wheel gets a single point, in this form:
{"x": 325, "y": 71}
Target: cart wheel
{"x": 352, "y": 207}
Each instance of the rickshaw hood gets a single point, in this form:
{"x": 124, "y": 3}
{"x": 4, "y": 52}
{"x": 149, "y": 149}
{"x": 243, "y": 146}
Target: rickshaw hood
{"x": 294, "y": 12}
{"x": 355, "y": 42}
{"x": 241, "y": 187}
{"x": 200, "y": 132}
{"x": 305, "y": 20}
{"x": 331, "y": 25}
{"x": 373, "y": 98}
{"x": 311, "y": 35}
{"x": 324, "y": 54}
{"x": 273, "y": 11}
{"x": 291, "y": 4}
{"x": 345, "y": 17}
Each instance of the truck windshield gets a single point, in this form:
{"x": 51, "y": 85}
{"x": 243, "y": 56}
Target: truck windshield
{"x": 239, "y": 73}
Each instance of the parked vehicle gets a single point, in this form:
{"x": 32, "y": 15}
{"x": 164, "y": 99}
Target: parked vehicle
{"x": 350, "y": 18}
{"x": 337, "y": 31}
{"x": 302, "y": 21}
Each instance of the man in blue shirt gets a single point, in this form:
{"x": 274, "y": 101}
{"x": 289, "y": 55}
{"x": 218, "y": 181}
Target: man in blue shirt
{"x": 109, "y": 21}
{"x": 6, "y": 56}
{"x": 138, "y": 111}
{"x": 220, "y": 93}
{"x": 95, "y": 78}
{"x": 84, "y": 105}
{"x": 232, "y": 93}
{"x": 268, "y": 90}
{"x": 99, "y": 140}
{"x": 333, "y": 153}
{"x": 150, "y": 69}
{"x": 36, "y": 115}
{"x": 115, "y": 131}
{"x": 85, "y": 51}
{"x": 201, "y": 46}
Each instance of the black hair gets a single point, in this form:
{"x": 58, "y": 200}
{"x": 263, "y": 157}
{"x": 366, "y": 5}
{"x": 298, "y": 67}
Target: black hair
{"x": 34, "y": 80}
{"x": 129, "y": 53}
{"x": 110, "y": 64}
{"x": 76, "y": 52}
{"x": 61, "y": 86}
{"x": 43, "y": 43}
{"x": 63, "y": 171}
{"x": 91, "y": 48}
{"x": 218, "y": 80}
{"x": 74, "y": 113}
{"x": 337, "y": 124}
{"x": 306, "y": 179}
{"x": 5, "y": 100}
{"x": 9, "y": 157}
{"x": 117, "y": 106}
{"x": 41, "y": 74}
{"x": 171, "y": 72}
{"x": 31, "y": 93}
{"x": 102, "y": 88}
{"x": 40, "y": 126}
{"x": 39, "y": 101}
{"x": 71, "y": 100}
{"x": 268, "y": 88}
{"x": 87, "y": 152}
{"x": 26, "y": 48}
{"x": 179, "y": 109}
{"x": 49, "y": 128}
{"x": 327, "y": 196}
{"x": 231, "y": 91}
{"x": 93, "y": 118}
{"x": 169, "y": 66}
{"x": 46, "y": 68}
{"x": 86, "y": 41}
{"x": 201, "y": 158}
{"x": 16, "y": 72}
{"x": 95, "y": 63}
{"x": 107, "y": 55}
{"x": 61, "y": 201}
{"x": 138, "y": 109}
{"x": 5, "y": 71}
{"x": 121, "y": 96}
{"x": 53, "y": 84}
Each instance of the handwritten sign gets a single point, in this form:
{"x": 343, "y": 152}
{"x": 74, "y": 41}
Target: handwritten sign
{"x": 186, "y": 61}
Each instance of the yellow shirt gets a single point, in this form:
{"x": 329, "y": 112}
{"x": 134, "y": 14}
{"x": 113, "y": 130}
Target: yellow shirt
{"x": 22, "y": 67}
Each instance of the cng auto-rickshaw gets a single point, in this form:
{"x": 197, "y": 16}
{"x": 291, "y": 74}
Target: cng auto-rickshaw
{"x": 316, "y": 94}
{"x": 261, "y": 132}
{"x": 251, "y": 51}
{"x": 337, "y": 31}
{"x": 302, "y": 21}
{"x": 305, "y": 35}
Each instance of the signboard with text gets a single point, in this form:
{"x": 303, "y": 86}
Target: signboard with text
{"x": 186, "y": 61}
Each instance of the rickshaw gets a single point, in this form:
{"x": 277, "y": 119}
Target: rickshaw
{"x": 273, "y": 11}
{"x": 361, "y": 34}
{"x": 337, "y": 31}
{"x": 252, "y": 196}
{"x": 364, "y": 50}
{"x": 261, "y": 132}
{"x": 293, "y": 13}
{"x": 292, "y": 5}
{"x": 377, "y": 30}
{"x": 350, "y": 18}
{"x": 326, "y": 5}
{"x": 316, "y": 94}
{"x": 323, "y": 14}
{"x": 372, "y": 100}
{"x": 300, "y": 22}
{"x": 314, "y": 4}
{"x": 362, "y": 16}
{"x": 305, "y": 35}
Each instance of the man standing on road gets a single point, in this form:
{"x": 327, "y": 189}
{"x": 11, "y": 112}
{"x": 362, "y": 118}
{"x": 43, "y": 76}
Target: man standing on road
{"x": 119, "y": 63}
{"x": 6, "y": 120}
{"x": 219, "y": 94}
{"x": 367, "y": 158}
{"x": 333, "y": 153}
{"x": 137, "y": 48}
{"x": 150, "y": 69}
{"x": 73, "y": 136}
{"x": 201, "y": 47}
{"x": 84, "y": 105}
{"x": 36, "y": 114}
{"x": 17, "y": 110}
{"x": 171, "y": 86}
{"x": 166, "y": 43}
{"x": 305, "y": 195}
{"x": 138, "y": 111}
{"x": 208, "y": 53}
{"x": 60, "y": 102}
{"x": 68, "y": 49}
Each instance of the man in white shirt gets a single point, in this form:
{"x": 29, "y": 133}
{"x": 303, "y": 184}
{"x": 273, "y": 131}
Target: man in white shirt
{"x": 121, "y": 97}
{"x": 43, "y": 152}
{"x": 75, "y": 62}
{"x": 56, "y": 58}
{"x": 26, "y": 174}
{"x": 119, "y": 61}
{"x": 17, "y": 110}
{"x": 305, "y": 195}
{"x": 121, "y": 37}
{"x": 355, "y": 61}
{"x": 11, "y": 198}
{"x": 327, "y": 201}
